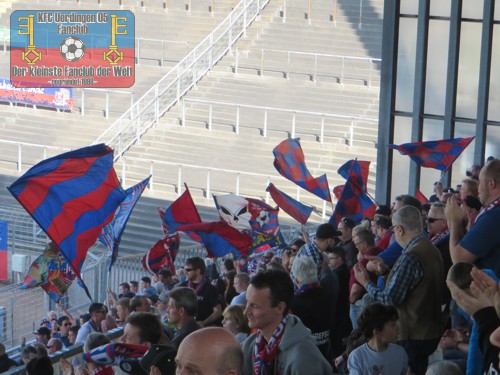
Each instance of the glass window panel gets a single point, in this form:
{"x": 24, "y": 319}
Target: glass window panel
{"x": 400, "y": 163}
{"x": 494, "y": 99}
{"x": 440, "y": 8}
{"x": 437, "y": 62}
{"x": 466, "y": 159}
{"x": 472, "y": 9}
{"x": 408, "y": 7}
{"x": 497, "y": 13}
{"x": 433, "y": 130}
{"x": 492, "y": 142}
{"x": 406, "y": 64}
{"x": 468, "y": 69}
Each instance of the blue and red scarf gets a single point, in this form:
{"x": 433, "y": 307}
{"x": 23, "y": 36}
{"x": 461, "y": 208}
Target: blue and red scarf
{"x": 265, "y": 353}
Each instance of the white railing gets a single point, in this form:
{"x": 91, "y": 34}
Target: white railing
{"x": 107, "y": 93}
{"x": 21, "y": 150}
{"x": 309, "y": 13}
{"x": 321, "y": 65}
{"x": 208, "y": 186}
{"x": 161, "y": 97}
{"x": 348, "y": 135}
{"x": 142, "y": 44}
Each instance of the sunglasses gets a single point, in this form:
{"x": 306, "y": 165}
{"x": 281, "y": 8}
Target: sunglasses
{"x": 67, "y": 324}
{"x": 432, "y": 219}
{"x": 188, "y": 269}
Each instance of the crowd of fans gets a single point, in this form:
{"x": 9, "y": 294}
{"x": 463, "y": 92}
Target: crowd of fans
{"x": 412, "y": 290}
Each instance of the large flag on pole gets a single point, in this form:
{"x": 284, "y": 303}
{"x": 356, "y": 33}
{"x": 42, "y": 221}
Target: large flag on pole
{"x": 111, "y": 234}
{"x": 72, "y": 196}
{"x": 434, "y": 154}
{"x": 290, "y": 163}
{"x": 4, "y": 266}
{"x": 292, "y": 207}
{"x": 354, "y": 202}
{"x": 51, "y": 271}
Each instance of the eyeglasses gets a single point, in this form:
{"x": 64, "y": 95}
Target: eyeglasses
{"x": 432, "y": 219}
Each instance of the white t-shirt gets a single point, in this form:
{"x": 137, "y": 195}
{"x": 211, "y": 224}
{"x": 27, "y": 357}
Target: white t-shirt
{"x": 365, "y": 361}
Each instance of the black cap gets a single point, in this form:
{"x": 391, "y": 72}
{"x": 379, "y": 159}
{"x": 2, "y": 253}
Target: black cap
{"x": 42, "y": 331}
{"x": 151, "y": 296}
{"x": 327, "y": 231}
{"x": 383, "y": 210}
{"x": 161, "y": 356}
{"x": 472, "y": 202}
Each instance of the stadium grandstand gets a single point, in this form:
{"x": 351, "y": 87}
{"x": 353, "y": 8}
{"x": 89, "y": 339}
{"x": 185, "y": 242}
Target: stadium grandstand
{"x": 218, "y": 85}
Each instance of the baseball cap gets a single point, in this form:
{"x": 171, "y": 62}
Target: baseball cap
{"x": 152, "y": 297}
{"x": 383, "y": 210}
{"x": 42, "y": 331}
{"x": 161, "y": 356}
{"x": 163, "y": 297}
{"x": 327, "y": 231}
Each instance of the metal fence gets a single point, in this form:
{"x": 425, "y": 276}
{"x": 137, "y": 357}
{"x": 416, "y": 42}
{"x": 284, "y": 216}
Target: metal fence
{"x": 161, "y": 97}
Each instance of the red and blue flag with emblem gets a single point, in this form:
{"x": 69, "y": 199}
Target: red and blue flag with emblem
{"x": 290, "y": 163}
{"x": 72, "y": 196}
{"x": 111, "y": 234}
{"x": 434, "y": 154}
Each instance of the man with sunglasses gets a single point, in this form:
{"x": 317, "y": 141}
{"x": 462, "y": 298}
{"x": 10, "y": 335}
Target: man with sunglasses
{"x": 209, "y": 308}
{"x": 63, "y": 334}
{"x": 97, "y": 313}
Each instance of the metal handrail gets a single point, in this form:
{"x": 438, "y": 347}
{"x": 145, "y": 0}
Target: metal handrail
{"x": 353, "y": 119}
{"x": 161, "y": 97}
{"x": 106, "y": 101}
{"x": 264, "y": 51}
{"x": 21, "y": 145}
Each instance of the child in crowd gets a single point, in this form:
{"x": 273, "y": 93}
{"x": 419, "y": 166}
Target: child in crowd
{"x": 379, "y": 324}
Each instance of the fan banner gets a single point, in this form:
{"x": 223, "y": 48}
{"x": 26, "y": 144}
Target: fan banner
{"x": 72, "y": 48}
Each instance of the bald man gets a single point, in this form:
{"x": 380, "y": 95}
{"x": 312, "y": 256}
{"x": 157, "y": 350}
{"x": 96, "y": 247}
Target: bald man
{"x": 211, "y": 351}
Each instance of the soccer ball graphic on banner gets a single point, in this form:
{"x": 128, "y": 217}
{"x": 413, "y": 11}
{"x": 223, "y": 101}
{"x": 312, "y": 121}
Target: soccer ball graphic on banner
{"x": 72, "y": 48}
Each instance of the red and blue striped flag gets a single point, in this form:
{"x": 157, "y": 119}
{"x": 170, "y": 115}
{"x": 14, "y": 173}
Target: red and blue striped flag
{"x": 181, "y": 211}
{"x": 292, "y": 207}
{"x": 111, "y": 234}
{"x": 72, "y": 196}
{"x": 219, "y": 238}
{"x": 434, "y": 154}
{"x": 290, "y": 163}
